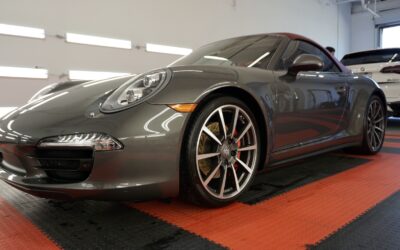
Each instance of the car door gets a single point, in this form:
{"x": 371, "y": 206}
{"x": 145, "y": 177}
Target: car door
{"x": 309, "y": 106}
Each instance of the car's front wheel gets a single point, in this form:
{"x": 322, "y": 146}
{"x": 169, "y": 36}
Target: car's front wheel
{"x": 222, "y": 152}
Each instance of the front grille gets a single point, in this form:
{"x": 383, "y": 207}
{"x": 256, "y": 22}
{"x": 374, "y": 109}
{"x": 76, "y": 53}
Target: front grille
{"x": 64, "y": 153}
{"x": 66, "y": 165}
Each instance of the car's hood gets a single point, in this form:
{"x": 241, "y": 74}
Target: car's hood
{"x": 64, "y": 112}
{"x": 61, "y": 110}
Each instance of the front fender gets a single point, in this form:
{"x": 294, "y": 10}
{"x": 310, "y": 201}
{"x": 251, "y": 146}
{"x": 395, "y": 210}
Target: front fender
{"x": 194, "y": 84}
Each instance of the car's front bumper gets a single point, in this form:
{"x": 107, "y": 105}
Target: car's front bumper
{"x": 76, "y": 192}
{"x": 146, "y": 168}
{"x": 112, "y": 177}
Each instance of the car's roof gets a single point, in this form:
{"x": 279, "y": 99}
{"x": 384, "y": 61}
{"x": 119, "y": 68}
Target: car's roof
{"x": 293, "y": 36}
{"x": 373, "y": 50}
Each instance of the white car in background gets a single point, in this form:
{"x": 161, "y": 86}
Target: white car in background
{"x": 382, "y": 65}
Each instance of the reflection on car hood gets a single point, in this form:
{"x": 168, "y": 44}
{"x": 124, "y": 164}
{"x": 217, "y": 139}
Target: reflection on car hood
{"x": 72, "y": 99}
{"x": 62, "y": 110}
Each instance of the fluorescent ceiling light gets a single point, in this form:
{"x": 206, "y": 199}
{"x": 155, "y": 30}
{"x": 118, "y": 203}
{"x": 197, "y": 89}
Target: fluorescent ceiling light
{"x": 14, "y": 30}
{"x": 99, "y": 41}
{"x": 218, "y": 58}
{"x": 6, "y": 110}
{"x": 167, "y": 49}
{"x": 93, "y": 75}
{"x": 259, "y": 59}
{"x": 23, "y": 72}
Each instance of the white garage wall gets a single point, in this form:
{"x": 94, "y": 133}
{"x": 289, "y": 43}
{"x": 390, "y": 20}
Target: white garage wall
{"x": 184, "y": 23}
{"x": 364, "y": 35}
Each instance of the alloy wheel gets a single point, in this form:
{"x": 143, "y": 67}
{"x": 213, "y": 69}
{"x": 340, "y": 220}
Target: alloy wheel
{"x": 376, "y": 125}
{"x": 226, "y": 152}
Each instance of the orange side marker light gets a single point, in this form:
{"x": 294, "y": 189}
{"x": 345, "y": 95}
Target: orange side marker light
{"x": 184, "y": 107}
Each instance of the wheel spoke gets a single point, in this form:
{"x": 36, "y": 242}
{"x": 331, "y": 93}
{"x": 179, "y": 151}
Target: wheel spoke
{"x": 375, "y": 109}
{"x": 244, "y": 132}
{"x": 370, "y": 111}
{"x": 379, "y": 129}
{"x": 235, "y": 118}
{"x": 221, "y": 117}
{"x": 379, "y": 138}
{"x": 206, "y": 156}
{"x": 235, "y": 177}
{"x": 222, "y": 188}
{"x": 248, "y": 148}
{"x": 212, "y": 135}
{"x": 244, "y": 165}
{"x": 379, "y": 120}
{"x": 373, "y": 141}
{"x": 378, "y": 111}
{"x": 212, "y": 174}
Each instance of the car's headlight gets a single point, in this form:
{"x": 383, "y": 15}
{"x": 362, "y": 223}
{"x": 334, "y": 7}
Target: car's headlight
{"x": 136, "y": 90}
{"x": 97, "y": 141}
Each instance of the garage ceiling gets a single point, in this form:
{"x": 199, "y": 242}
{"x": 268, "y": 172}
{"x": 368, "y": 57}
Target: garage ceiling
{"x": 381, "y": 5}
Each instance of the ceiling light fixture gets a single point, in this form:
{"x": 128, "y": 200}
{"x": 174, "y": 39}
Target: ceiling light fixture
{"x": 150, "y": 47}
{"x": 23, "y": 72}
{"x": 98, "y": 41}
{"x": 15, "y": 30}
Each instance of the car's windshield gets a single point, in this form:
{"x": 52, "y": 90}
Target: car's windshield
{"x": 374, "y": 56}
{"x": 249, "y": 51}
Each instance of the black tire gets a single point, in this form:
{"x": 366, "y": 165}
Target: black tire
{"x": 373, "y": 124}
{"x": 194, "y": 177}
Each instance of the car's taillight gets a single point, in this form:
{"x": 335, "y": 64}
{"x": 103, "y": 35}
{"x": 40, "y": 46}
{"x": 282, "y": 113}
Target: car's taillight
{"x": 391, "y": 69}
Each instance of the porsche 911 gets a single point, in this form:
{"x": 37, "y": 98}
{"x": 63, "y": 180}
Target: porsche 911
{"x": 202, "y": 127}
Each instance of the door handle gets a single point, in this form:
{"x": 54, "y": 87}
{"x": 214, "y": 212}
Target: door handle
{"x": 341, "y": 89}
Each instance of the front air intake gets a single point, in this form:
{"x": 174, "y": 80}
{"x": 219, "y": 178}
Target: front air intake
{"x": 66, "y": 165}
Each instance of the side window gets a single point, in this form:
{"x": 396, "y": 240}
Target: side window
{"x": 256, "y": 54}
{"x": 296, "y": 48}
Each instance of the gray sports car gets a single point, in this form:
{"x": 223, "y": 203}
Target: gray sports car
{"x": 202, "y": 127}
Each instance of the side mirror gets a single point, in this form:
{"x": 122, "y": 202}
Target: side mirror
{"x": 306, "y": 62}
